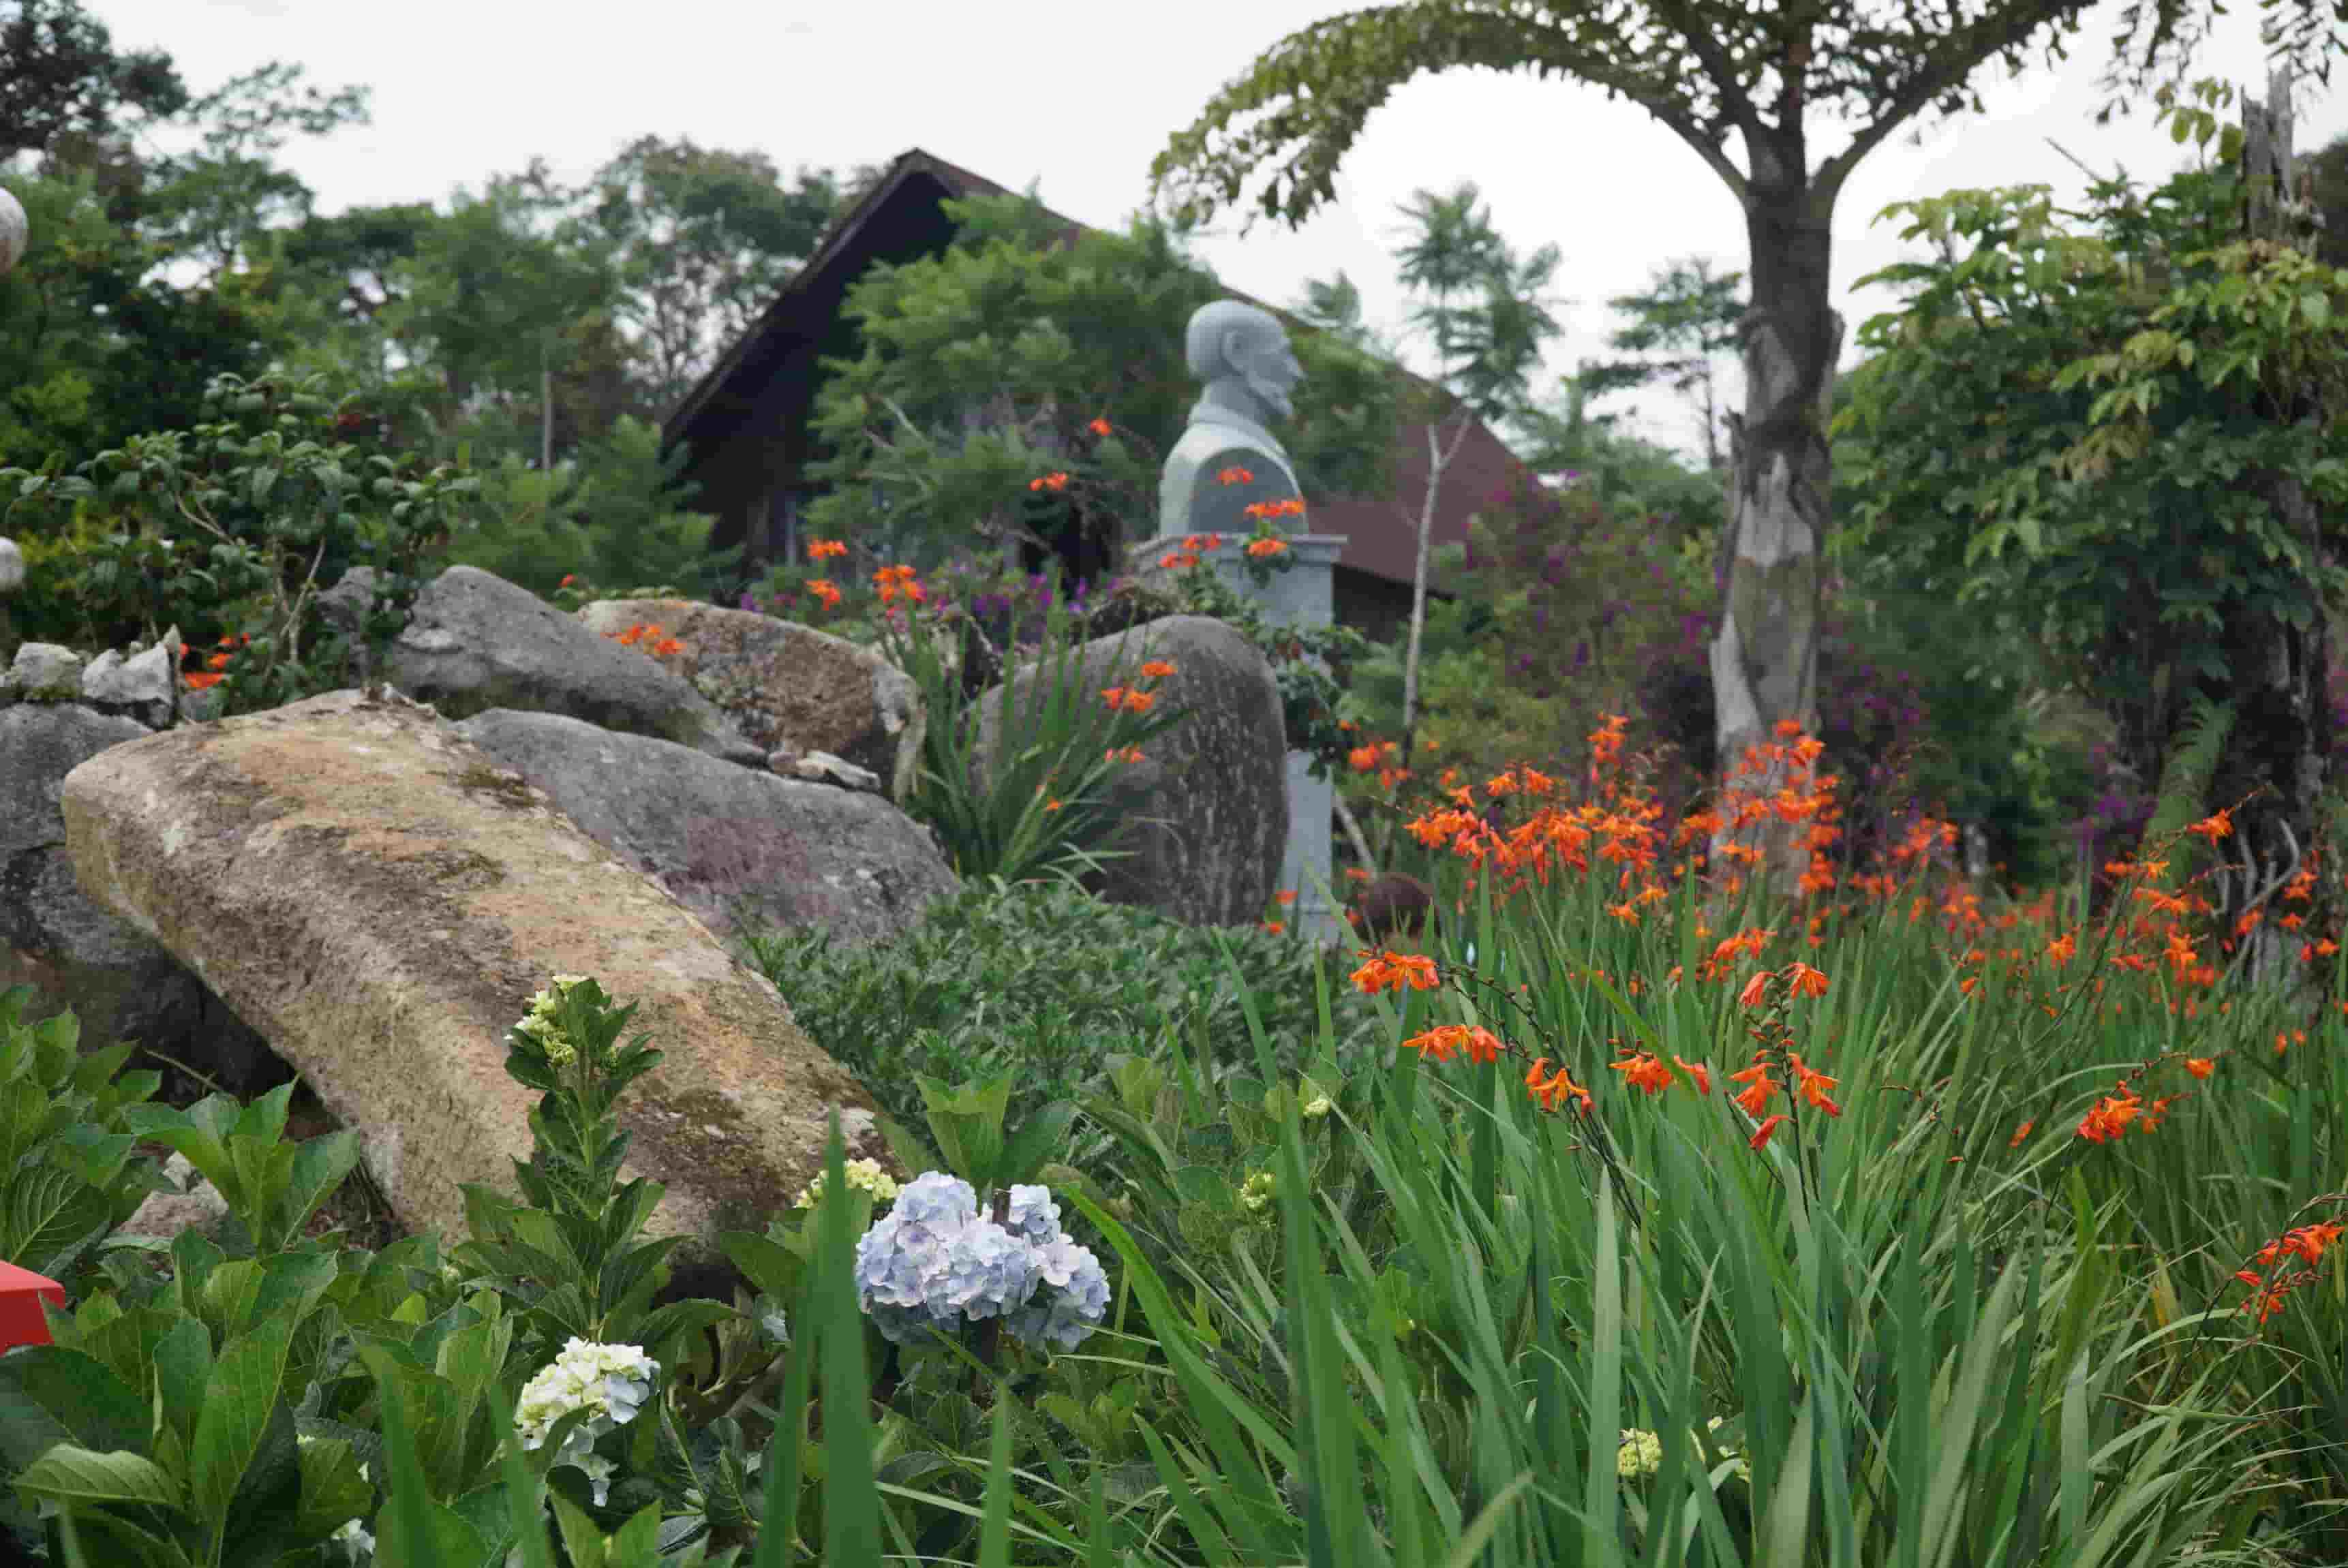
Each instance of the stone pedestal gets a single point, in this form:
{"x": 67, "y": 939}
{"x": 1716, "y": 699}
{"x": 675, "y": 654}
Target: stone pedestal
{"x": 1300, "y": 597}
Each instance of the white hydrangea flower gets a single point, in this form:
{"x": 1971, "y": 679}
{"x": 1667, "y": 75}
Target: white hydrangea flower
{"x": 864, "y": 1173}
{"x": 611, "y": 1382}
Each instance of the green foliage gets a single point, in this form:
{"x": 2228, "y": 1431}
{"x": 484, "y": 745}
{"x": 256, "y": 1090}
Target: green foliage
{"x": 68, "y": 1174}
{"x": 231, "y": 528}
{"x": 271, "y": 1188}
{"x": 607, "y": 514}
{"x": 1039, "y": 975}
{"x": 2138, "y": 540}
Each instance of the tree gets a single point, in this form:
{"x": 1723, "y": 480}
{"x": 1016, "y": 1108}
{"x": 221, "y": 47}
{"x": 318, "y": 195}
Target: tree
{"x": 2152, "y": 419}
{"x": 1689, "y": 311}
{"x": 702, "y": 241}
{"x": 1486, "y": 348}
{"x": 1698, "y": 67}
{"x": 63, "y": 78}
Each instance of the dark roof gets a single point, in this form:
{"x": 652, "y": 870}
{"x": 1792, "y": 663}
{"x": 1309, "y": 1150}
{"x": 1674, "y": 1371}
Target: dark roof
{"x": 1379, "y": 538}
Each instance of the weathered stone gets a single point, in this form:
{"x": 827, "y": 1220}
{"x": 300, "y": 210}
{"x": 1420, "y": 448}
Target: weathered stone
{"x": 120, "y": 982}
{"x": 1215, "y": 781}
{"x": 44, "y": 672}
{"x": 476, "y": 641}
{"x": 143, "y": 685}
{"x": 784, "y": 684}
{"x": 742, "y": 850}
{"x": 380, "y": 900}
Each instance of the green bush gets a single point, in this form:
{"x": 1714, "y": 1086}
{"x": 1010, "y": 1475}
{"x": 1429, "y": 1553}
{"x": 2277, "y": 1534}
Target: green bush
{"x": 1045, "y": 979}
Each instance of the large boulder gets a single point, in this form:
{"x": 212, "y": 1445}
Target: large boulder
{"x": 783, "y": 685}
{"x": 372, "y": 893}
{"x": 1206, "y": 810}
{"x": 120, "y": 983}
{"x": 740, "y": 849}
{"x": 475, "y": 642}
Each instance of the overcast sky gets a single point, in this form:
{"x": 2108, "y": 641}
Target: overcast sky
{"x": 1081, "y": 96}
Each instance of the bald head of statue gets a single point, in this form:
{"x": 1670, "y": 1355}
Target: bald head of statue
{"x": 1242, "y": 354}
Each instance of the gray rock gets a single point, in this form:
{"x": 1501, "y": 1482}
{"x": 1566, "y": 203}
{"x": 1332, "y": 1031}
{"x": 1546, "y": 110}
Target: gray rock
{"x": 1205, "y": 813}
{"x": 141, "y": 685}
{"x": 740, "y": 849}
{"x": 120, "y": 983}
{"x": 476, "y": 642}
{"x": 44, "y": 672}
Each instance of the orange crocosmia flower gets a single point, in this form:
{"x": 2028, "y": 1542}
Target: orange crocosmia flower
{"x": 2020, "y": 1133}
{"x": 2199, "y": 1066}
{"x": 1806, "y": 980}
{"x": 1275, "y": 927}
{"x": 668, "y": 645}
{"x": 566, "y": 580}
{"x": 1756, "y": 991}
{"x": 818, "y": 548}
{"x": 1286, "y": 896}
{"x": 1267, "y": 547}
{"x": 1645, "y": 1071}
{"x": 2111, "y": 1116}
{"x": 1759, "y": 1087}
{"x": 203, "y": 682}
{"x": 1234, "y": 476}
{"x": 1761, "y": 1136}
{"x": 1813, "y": 1084}
{"x": 1158, "y": 669}
{"x": 1697, "y": 1071}
{"x": 217, "y": 661}
{"x": 1099, "y": 428}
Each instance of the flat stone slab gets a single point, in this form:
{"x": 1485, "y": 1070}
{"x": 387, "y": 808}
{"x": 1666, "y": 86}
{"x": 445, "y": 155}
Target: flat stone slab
{"x": 372, "y": 894}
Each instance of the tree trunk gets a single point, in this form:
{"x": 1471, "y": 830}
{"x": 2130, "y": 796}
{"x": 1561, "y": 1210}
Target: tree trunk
{"x": 1765, "y": 657}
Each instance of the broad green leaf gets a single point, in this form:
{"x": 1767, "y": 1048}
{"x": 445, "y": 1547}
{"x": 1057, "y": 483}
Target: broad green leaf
{"x": 71, "y": 1474}
{"x": 241, "y": 1391}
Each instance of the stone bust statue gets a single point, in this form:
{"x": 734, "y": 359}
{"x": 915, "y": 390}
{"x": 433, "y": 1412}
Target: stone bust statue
{"x": 1242, "y": 355}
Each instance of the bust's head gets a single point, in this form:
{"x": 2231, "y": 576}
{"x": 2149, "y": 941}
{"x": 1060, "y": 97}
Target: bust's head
{"x": 1236, "y": 348}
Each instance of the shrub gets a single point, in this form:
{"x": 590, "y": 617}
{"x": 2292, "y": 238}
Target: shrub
{"x": 1045, "y": 979}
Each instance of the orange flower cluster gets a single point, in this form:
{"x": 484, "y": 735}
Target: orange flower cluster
{"x": 2116, "y": 1114}
{"x": 893, "y": 580}
{"x": 1191, "y": 544}
{"x": 662, "y": 646}
{"x": 216, "y": 665}
{"x": 1438, "y": 1044}
{"x": 2307, "y": 1242}
{"x": 818, "y": 548}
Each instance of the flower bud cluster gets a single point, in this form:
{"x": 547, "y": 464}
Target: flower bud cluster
{"x": 934, "y": 1262}
{"x": 540, "y": 1025}
{"x": 610, "y": 1381}
{"x": 865, "y": 1173}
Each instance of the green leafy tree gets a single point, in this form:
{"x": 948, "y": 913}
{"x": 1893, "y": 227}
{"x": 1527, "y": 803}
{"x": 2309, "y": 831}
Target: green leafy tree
{"x": 1687, "y": 313}
{"x": 702, "y": 240}
{"x": 1487, "y": 346}
{"x": 1705, "y": 69}
{"x": 64, "y": 78}
{"x": 2130, "y": 443}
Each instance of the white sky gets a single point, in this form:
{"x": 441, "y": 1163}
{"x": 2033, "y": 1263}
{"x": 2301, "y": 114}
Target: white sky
{"x": 1064, "y": 91}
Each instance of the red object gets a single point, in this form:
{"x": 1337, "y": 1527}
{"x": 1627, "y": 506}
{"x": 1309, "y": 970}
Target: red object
{"x": 21, "y": 1319}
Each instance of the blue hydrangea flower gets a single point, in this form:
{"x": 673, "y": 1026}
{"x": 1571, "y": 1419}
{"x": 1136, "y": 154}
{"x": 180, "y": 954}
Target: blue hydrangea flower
{"x": 1035, "y": 1217}
{"x": 934, "y": 1261}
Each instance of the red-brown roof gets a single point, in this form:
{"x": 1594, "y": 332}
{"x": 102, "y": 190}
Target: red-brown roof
{"x": 1380, "y": 534}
